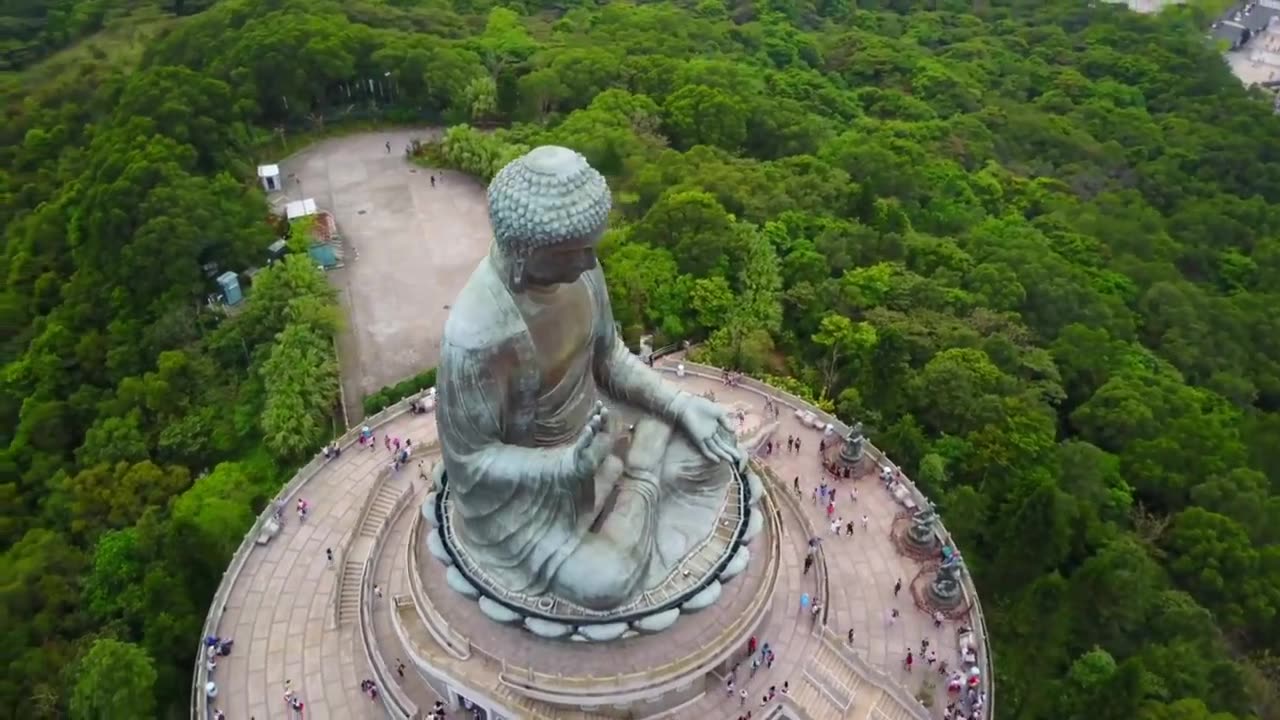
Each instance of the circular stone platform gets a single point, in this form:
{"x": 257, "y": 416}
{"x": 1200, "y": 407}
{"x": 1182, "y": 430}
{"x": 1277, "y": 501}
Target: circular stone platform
{"x": 701, "y": 638}
{"x": 694, "y": 584}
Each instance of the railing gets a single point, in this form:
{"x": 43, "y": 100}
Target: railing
{"x": 549, "y": 688}
{"x": 383, "y": 476}
{"x": 453, "y": 642}
{"x": 393, "y": 696}
{"x": 199, "y": 704}
{"x": 797, "y": 403}
{"x": 874, "y": 676}
{"x": 819, "y": 553}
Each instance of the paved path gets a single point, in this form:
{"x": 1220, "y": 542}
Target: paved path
{"x": 862, "y": 569}
{"x": 410, "y": 247}
{"x": 280, "y": 610}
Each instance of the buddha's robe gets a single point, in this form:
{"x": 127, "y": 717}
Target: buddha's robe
{"x": 507, "y": 431}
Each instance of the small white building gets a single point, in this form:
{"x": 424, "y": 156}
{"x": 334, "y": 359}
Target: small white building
{"x": 300, "y": 208}
{"x": 269, "y": 176}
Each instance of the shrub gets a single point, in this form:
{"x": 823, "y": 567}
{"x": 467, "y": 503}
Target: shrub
{"x": 392, "y": 394}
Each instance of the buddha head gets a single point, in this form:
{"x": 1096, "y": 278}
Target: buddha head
{"x": 548, "y": 209}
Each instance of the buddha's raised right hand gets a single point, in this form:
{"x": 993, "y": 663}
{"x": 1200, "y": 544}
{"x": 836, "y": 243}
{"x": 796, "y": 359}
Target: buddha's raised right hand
{"x": 592, "y": 446}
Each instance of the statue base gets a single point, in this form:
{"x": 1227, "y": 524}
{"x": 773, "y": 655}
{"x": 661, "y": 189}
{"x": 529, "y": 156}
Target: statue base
{"x": 695, "y": 584}
{"x": 911, "y": 545}
{"x": 550, "y": 668}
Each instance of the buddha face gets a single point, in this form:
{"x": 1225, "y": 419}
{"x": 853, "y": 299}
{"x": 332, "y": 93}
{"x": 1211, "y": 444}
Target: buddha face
{"x": 561, "y": 263}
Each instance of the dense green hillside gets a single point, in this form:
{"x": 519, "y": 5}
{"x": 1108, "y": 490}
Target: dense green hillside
{"x": 1034, "y": 245}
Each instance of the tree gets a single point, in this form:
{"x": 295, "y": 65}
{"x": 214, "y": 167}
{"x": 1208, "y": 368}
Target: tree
{"x": 701, "y": 115}
{"x": 846, "y": 341}
{"x": 114, "y": 681}
{"x": 481, "y": 98}
{"x": 301, "y": 377}
{"x": 745, "y": 340}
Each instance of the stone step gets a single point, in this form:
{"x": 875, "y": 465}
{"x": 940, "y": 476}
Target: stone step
{"x": 349, "y": 591}
{"x": 816, "y": 705}
{"x": 888, "y": 708}
{"x": 837, "y": 673}
{"x": 379, "y": 510}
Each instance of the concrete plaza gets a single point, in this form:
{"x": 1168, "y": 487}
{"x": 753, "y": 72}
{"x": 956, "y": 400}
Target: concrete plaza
{"x": 409, "y": 248}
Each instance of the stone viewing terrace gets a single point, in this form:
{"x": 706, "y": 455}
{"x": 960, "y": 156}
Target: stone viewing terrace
{"x": 296, "y": 618}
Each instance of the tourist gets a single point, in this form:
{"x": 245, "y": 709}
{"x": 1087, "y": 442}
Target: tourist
{"x": 433, "y": 181}
{"x": 377, "y": 591}
{"x": 866, "y": 522}
{"x": 817, "y": 610}
{"x": 751, "y": 646}
{"x": 804, "y": 601}
{"x": 791, "y": 443}
{"x": 797, "y": 444}
{"x": 796, "y": 482}
{"x": 910, "y": 659}
{"x": 850, "y": 636}
{"x": 388, "y": 147}
{"x": 896, "y": 587}
{"x": 931, "y": 657}
{"x": 835, "y": 527}
{"x": 808, "y": 564}
{"x": 742, "y": 695}
{"x": 853, "y": 491}
{"x": 849, "y": 528}
{"x": 328, "y": 553}
{"x": 937, "y": 618}
{"x": 768, "y": 660}
{"x": 729, "y": 687}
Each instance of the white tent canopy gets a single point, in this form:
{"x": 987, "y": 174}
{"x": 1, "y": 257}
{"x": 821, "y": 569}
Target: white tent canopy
{"x": 300, "y": 208}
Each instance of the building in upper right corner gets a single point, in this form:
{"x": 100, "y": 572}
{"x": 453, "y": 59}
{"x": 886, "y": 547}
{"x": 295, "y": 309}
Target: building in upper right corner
{"x": 1251, "y": 31}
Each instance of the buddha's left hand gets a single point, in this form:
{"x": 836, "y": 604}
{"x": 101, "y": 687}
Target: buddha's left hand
{"x": 708, "y": 426}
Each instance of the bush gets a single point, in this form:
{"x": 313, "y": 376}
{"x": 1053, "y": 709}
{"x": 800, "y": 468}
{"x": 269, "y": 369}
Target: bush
{"x": 392, "y": 394}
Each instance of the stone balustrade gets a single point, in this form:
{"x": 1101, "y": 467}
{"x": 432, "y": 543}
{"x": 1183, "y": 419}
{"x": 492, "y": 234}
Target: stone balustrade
{"x": 393, "y": 697}
{"x": 199, "y": 703}
{"x": 796, "y": 403}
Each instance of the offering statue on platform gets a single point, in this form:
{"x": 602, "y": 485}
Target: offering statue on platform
{"x": 555, "y": 492}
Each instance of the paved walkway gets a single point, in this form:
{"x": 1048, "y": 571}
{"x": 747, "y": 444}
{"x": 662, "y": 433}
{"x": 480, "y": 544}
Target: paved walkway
{"x": 280, "y": 610}
{"x": 410, "y": 246}
{"x": 862, "y": 569}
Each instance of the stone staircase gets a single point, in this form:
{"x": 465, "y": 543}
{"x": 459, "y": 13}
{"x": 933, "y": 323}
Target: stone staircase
{"x": 830, "y": 686}
{"x": 815, "y": 703}
{"x": 835, "y": 675}
{"x": 349, "y": 591}
{"x": 886, "y": 708}
{"x": 383, "y": 501}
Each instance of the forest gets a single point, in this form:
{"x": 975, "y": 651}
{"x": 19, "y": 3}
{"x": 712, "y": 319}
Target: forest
{"x": 1034, "y": 247}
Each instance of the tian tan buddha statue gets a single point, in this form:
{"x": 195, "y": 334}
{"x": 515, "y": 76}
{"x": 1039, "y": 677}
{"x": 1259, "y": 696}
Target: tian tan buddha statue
{"x": 574, "y": 470}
